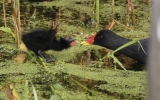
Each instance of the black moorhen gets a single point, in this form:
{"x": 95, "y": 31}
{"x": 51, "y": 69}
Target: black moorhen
{"x": 41, "y": 40}
{"x": 110, "y": 40}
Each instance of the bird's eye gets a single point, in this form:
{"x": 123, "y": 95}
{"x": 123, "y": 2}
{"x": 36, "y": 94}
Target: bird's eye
{"x": 100, "y": 37}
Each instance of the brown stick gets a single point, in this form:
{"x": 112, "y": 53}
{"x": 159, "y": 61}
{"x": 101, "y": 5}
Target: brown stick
{"x": 148, "y": 2}
{"x": 131, "y": 9}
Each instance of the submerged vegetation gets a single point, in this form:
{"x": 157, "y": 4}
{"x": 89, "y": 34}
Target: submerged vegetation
{"x": 80, "y": 73}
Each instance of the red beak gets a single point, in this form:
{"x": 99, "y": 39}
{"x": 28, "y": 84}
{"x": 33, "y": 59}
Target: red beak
{"x": 89, "y": 41}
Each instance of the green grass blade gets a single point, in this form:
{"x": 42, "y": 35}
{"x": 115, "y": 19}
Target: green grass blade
{"x": 125, "y": 45}
{"x": 34, "y": 92}
{"x": 142, "y": 47}
{"x": 26, "y": 91}
{"x": 97, "y": 11}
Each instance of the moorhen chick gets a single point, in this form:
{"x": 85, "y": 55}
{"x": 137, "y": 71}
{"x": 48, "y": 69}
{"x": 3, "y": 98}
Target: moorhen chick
{"x": 39, "y": 40}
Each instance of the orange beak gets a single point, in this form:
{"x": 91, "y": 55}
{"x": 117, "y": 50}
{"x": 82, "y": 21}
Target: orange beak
{"x": 88, "y": 41}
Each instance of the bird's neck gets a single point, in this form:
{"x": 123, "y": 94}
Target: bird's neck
{"x": 59, "y": 45}
{"x": 117, "y": 42}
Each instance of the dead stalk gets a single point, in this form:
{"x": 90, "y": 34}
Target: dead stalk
{"x": 131, "y": 10}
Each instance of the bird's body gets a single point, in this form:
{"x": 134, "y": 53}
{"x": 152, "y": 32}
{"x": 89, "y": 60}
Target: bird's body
{"x": 41, "y": 40}
{"x": 110, "y": 40}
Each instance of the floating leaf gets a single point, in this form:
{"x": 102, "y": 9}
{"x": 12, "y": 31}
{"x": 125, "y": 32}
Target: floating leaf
{"x": 55, "y": 97}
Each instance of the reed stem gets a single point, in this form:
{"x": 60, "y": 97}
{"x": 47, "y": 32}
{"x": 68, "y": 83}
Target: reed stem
{"x": 131, "y": 10}
{"x": 4, "y": 11}
{"x": 148, "y": 2}
{"x": 113, "y": 9}
{"x": 16, "y": 20}
{"x": 97, "y": 12}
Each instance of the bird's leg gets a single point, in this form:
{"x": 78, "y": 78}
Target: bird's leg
{"x": 51, "y": 59}
{"x": 42, "y": 55}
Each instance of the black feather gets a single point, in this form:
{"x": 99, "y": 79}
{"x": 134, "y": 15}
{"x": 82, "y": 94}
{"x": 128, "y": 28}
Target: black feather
{"x": 41, "y": 40}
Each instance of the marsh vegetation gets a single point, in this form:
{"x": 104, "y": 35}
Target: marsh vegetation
{"x": 79, "y": 73}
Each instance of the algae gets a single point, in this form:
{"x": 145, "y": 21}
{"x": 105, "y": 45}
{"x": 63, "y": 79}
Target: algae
{"x": 76, "y": 18}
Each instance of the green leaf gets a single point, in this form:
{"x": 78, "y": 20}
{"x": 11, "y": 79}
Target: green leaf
{"x": 26, "y": 91}
{"x": 6, "y": 29}
{"x": 58, "y": 86}
{"x": 125, "y": 45}
{"x": 34, "y": 92}
{"x": 55, "y": 97}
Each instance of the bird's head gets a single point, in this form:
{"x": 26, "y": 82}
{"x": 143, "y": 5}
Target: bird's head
{"x": 95, "y": 39}
{"x": 71, "y": 41}
{"x": 100, "y": 38}
{"x": 89, "y": 40}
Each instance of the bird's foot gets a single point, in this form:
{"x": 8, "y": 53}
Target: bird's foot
{"x": 52, "y": 59}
